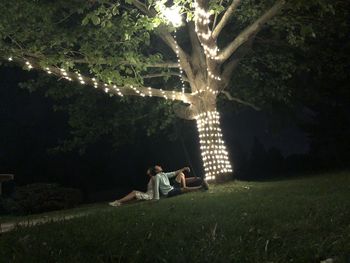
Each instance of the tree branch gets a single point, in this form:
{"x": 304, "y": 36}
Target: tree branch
{"x": 164, "y": 35}
{"x": 168, "y": 64}
{"x": 225, "y": 18}
{"x": 229, "y": 97}
{"x": 165, "y": 64}
{"x": 227, "y": 72}
{"x": 143, "y": 8}
{"x": 126, "y": 90}
{"x": 234, "y": 62}
{"x": 198, "y": 56}
{"x": 251, "y": 30}
{"x": 216, "y": 17}
{"x": 158, "y": 75}
{"x": 183, "y": 56}
{"x": 168, "y": 39}
{"x": 184, "y": 111}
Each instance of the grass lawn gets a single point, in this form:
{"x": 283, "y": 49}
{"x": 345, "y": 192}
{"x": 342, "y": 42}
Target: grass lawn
{"x": 295, "y": 220}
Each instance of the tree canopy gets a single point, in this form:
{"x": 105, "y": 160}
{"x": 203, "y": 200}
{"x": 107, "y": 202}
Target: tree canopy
{"x": 262, "y": 47}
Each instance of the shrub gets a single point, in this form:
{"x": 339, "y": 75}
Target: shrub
{"x": 8, "y": 206}
{"x": 41, "y": 197}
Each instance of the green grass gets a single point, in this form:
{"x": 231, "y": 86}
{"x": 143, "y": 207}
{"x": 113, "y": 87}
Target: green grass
{"x": 297, "y": 220}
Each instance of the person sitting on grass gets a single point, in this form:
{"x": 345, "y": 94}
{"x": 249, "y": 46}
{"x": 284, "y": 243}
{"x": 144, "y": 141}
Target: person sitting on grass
{"x": 138, "y": 195}
{"x": 162, "y": 184}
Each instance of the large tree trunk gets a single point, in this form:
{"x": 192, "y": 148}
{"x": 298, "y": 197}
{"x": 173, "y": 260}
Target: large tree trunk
{"x": 214, "y": 153}
{"x": 216, "y": 162}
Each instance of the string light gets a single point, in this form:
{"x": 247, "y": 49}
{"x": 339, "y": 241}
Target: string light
{"x": 110, "y": 89}
{"x": 64, "y": 74}
{"x": 214, "y": 153}
{"x": 117, "y": 90}
{"x": 213, "y": 150}
{"x": 149, "y": 92}
{"x": 174, "y": 17}
{"x": 81, "y": 80}
{"x": 179, "y": 64}
{"x": 95, "y": 83}
{"x": 211, "y": 75}
{"x": 29, "y": 66}
{"x": 134, "y": 89}
{"x": 202, "y": 18}
{"x": 163, "y": 92}
{"x": 172, "y": 14}
{"x": 207, "y": 89}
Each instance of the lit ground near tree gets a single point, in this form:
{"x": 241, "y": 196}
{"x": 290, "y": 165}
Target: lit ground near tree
{"x": 304, "y": 219}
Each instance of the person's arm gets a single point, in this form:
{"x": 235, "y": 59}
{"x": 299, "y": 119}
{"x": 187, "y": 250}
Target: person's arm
{"x": 155, "y": 180}
{"x": 170, "y": 174}
{"x": 185, "y": 169}
{"x": 150, "y": 186}
{"x": 175, "y": 173}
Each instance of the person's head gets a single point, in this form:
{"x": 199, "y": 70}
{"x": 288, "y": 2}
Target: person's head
{"x": 155, "y": 169}
{"x": 158, "y": 168}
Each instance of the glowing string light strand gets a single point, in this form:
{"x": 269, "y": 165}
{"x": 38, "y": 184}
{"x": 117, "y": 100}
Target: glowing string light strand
{"x": 179, "y": 63}
{"x": 202, "y": 20}
{"x": 214, "y": 153}
{"x": 173, "y": 16}
{"x": 107, "y": 88}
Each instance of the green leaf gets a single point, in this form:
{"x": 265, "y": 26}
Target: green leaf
{"x": 115, "y": 10}
{"x": 95, "y": 20}
{"x": 85, "y": 21}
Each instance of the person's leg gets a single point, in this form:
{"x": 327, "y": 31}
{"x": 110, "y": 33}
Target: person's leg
{"x": 181, "y": 180}
{"x": 193, "y": 181}
{"x": 182, "y": 190}
{"x": 197, "y": 181}
{"x": 130, "y": 196}
{"x": 190, "y": 189}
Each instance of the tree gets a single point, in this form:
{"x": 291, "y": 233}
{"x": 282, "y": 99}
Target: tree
{"x": 117, "y": 42}
{"x": 325, "y": 103}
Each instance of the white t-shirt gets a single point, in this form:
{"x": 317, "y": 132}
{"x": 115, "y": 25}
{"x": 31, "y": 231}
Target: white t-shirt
{"x": 161, "y": 183}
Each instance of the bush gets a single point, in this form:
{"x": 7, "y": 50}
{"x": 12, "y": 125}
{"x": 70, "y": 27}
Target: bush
{"x": 8, "y": 206}
{"x": 40, "y": 197}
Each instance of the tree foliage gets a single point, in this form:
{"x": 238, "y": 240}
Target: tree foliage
{"x": 129, "y": 43}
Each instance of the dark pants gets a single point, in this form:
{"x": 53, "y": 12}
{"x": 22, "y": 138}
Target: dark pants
{"x": 176, "y": 191}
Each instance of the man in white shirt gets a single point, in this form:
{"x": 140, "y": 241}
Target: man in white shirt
{"x": 161, "y": 182}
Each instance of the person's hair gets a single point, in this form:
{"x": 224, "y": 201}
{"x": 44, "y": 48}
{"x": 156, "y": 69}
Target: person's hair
{"x": 153, "y": 170}
{"x": 149, "y": 170}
